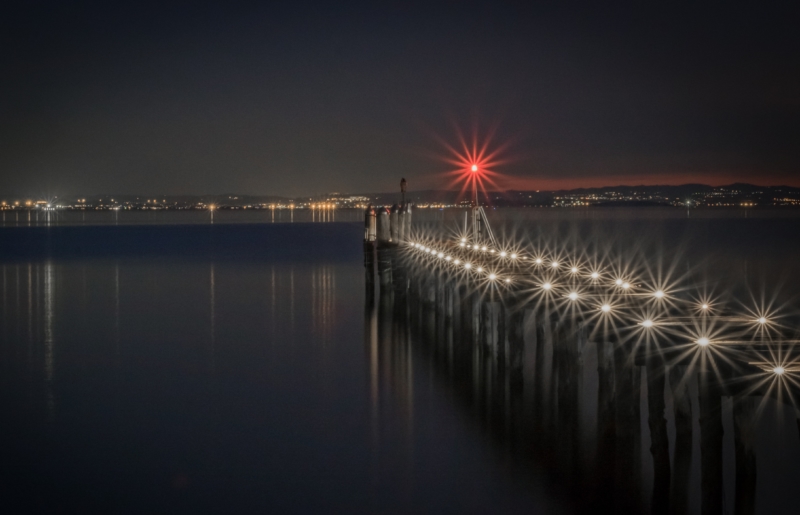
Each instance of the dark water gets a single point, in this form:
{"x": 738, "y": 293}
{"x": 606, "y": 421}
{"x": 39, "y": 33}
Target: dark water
{"x": 239, "y": 368}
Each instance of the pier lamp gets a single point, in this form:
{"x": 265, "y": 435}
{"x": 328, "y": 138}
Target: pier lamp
{"x": 659, "y": 294}
{"x": 704, "y": 307}
{"x": 618, "y": 282}
{"x": 703, "y": 342}
{"x": 647, "y": 323}
{"x": 779, "y": 370}
{"x": 503, "y": 254}
{"x": 474, "y": 168}
{"x": 538, "y": 261}
{"x": 467, "y": 266}
{"x": 574, "y": 270}
{"x": 554, "y": 264}
{"x": 479, "y": 269}
{"x": 595, "y": 275}
{"x": 547, "y": 286}
{"x": 762, "y": 320}
{"x": 513, "y": 256}
{"x": 573, "y": 295}
{"x": 625, "y": 286}
{"x": 605, "y": 308}
{"x": 492, "y": 277}
{"x": 457, "y": 262}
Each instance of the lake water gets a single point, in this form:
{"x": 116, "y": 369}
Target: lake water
{"x": 174, "y": 367}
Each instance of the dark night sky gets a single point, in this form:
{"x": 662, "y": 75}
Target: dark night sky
{"x": 139, "y": 97}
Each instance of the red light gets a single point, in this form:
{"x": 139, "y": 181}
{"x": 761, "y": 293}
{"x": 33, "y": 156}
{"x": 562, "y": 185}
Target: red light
{"x": 474, "y": 163}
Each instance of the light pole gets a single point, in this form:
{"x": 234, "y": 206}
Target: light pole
{"x": 478, "y": 215}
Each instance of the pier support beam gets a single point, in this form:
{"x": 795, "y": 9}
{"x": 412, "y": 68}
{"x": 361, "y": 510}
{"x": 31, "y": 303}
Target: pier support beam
{"x": 710, "y": 443}
{"x": 744, "y": 435}
{"x": 682, "y": 460}
{"x": 659, "y": 441}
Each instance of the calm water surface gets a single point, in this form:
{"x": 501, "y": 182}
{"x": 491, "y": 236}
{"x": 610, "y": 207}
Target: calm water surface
{"x": 243, "y": 371}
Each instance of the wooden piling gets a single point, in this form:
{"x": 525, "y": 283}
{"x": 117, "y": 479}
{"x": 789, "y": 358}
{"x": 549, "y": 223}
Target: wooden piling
{"x": 710, "y": 443}
{"x": 659, "y": 440}
{"x": 744, "y": 436}
{"x": 682, "y": 460}
{"x": 370, "y": 228}
{"x": 385, "y": 249}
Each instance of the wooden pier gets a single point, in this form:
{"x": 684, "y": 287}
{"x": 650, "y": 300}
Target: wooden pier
{"x": 521, "y": 324}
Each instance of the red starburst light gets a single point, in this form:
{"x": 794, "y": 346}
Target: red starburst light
{"x": 474, "y": 163}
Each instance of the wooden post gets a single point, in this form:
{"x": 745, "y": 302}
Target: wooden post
{"x": 659, "y": 441}
{"x": 710, "y": 442}
{"x": 682, "y": 461}
{"x": 627, "y": 459}
{"x": 394, "y": 224}
{"x": 385, "y": 249}
{"x": 744, "y": 436}
{"x": 369, "y": 251}
{"x": 606, "y": 414}
{"x": 516, "y": 343}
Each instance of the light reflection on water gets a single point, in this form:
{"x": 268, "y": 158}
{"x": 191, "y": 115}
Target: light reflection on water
{"x": 220, "y": 386}
{"x": 240, "y": 384}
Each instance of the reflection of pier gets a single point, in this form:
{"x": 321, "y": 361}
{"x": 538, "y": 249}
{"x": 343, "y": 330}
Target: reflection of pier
{"x": 520, "y": 335}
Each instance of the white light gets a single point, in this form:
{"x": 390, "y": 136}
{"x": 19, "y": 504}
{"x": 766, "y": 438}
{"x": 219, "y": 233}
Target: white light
{"x": 547, "y": 286}
{"x": 573, "y": 296}
{"x": 480, "y": 269}
{"x": 440, "y": 255}
{"x": 474, "y": 168}
{"x": 703, "y": 342}
{"x": 492, "y": 277}
{"x": 461, "y": 244}
{"x": 574, "y": 270}
{"x": 513, "y": 256}
{"x": 618, "y": 282}
{"x": 626, "y": 285}
{"x": 762, "y": 320}
{"x": 463, "y": 240}
{"x": 605, "y": 308}
{"x": 508, "y": 280}
{"x": 503, "y": 254}
{"x": 647, "y": 323}
{"x": 538, "y": 261}
{"x": 492, "y": 251}
{"x": 457, "y": 262}
{"x": 779, "y": 370}
{"x": 704, "y": 306}
{"x": 659, "y": 294}
{"x": 595, "y": 275}
{"x": 483, "y": 248}
{"x": 469, "y": 246}
{"x": 467, "y": 266}
{"x": 554, "y": 264}
{"x": 448, "y": 258}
